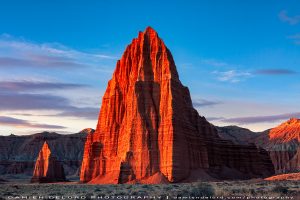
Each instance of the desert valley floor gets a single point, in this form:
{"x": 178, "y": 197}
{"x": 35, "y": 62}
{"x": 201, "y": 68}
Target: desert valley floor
{"x": 250, "y": 189}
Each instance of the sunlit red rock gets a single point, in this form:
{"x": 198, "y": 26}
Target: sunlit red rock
{"x": 47, "y": 168}
{"x": 286, "y": 132}
{"x": 285, "y": 177}
{"x": 148, "y": 129}
{"x": 283, "y": 144}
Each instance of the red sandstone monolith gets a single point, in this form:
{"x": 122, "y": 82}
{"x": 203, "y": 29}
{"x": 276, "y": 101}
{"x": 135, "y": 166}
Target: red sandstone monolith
{"x": 148, "y": 130}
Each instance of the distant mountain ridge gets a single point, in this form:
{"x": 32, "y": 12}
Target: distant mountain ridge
{"x": 237, "y": 134}
{"x": 282, "y": 143}
{"x": 18, "y": 153}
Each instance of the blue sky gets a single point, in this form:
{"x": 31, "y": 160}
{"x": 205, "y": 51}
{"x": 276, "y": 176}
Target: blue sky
{"x": 240, "y": 59}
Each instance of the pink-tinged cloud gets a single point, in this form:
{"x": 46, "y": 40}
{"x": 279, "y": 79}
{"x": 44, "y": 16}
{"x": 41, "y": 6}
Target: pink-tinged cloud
{"x": 50, "y": 62}
{"x": 21, "y": 86}
{"x": 15, "y": 122}
{"x": 261, "y": 119}
{"x": 22, "y": 102}
{"x": 275, "y": 72}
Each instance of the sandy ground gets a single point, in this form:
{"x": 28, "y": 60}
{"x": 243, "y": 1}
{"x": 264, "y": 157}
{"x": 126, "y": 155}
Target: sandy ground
{"x": 251, "y": 189}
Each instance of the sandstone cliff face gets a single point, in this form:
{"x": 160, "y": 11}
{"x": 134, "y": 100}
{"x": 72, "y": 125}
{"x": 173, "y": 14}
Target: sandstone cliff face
{"x": 47, "y": 168}
{"x": 148, "y": 126}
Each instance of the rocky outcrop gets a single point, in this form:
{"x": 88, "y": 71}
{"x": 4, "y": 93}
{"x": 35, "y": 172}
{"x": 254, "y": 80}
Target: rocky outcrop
{"x": 285, "y": 137}
{"x": 148, "y": 127}
{"x": 282, "y": 143}
{"x": 18, "y": 153}
{"x": 236, "y": 134}
{"x": 47, "y": 168}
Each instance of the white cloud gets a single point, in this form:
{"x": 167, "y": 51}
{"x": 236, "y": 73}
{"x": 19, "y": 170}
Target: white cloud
{"x": 232, "y": 76}
{"x": 18, "y": 51}
{"x": 292, "y": 20}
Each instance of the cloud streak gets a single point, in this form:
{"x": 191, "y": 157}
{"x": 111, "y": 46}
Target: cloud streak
{"x": 204, "y": 102}
{"x": 232, "y": 76}
{"x": 45, "y": 102}
{"x": 275, "y": 72}
{"x": 50, "y": 62}
{"x": 292, "y": 20}
{"x": 21, "y": 86}
{"x": 19, "y": 53}
{"x": 261, "y": 119}
{"x": 15, "y": 122}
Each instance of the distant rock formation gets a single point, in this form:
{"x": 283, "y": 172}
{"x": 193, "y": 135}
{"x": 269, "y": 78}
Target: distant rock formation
{"x": 282, "y": 143}
{"x": 47, "y": 169}
{"x": 236, "y": 134}
{"x": 148, "y": 129}
{"x": 18, "y": 153}
{"x": 285, "y": 137}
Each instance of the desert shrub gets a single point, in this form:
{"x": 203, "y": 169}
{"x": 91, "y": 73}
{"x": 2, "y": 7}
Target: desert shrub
{"x": 128, "y": 186}
{"x": 182, "y": 193}
{"x": 145, "y": 186}
{"x": 252, "y": 191}
{"x": 239, "y": 190}
{"x": 281, "y": 189}
{"x": 202, "y": 189}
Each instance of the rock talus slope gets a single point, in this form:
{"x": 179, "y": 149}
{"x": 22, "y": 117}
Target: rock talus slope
{"x": 47, "y": 168}
{"x": 147, "y": 126}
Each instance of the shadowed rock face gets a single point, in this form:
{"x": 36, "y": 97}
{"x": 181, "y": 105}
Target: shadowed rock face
{"x": 282, "y": 143}
{"x": 47, "y": 168}
{"x": 148, "y": 127}
{"x": 18, "y": 153}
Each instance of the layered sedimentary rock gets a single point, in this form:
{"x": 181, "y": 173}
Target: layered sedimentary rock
{"x": 47, "y": 169}
{"x": 293, "y": 165}
{"x": 147, "y": 127}
{"x": 237, "y": 135}
{"x": 18, "y": 153}
{"x": 281, "y": 142}
{"x": 285, "y": 137}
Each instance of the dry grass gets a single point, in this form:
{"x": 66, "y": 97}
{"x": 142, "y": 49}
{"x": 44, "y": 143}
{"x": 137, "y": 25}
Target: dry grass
{"x": 168, "y": 191}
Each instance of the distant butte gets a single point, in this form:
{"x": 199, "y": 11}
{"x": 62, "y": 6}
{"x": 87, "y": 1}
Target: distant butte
{"x": 47, "y": 169}
{"x": 283, "y": 144}
{"x": 149, "y": 132}
{"x": 287, "y": 131}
